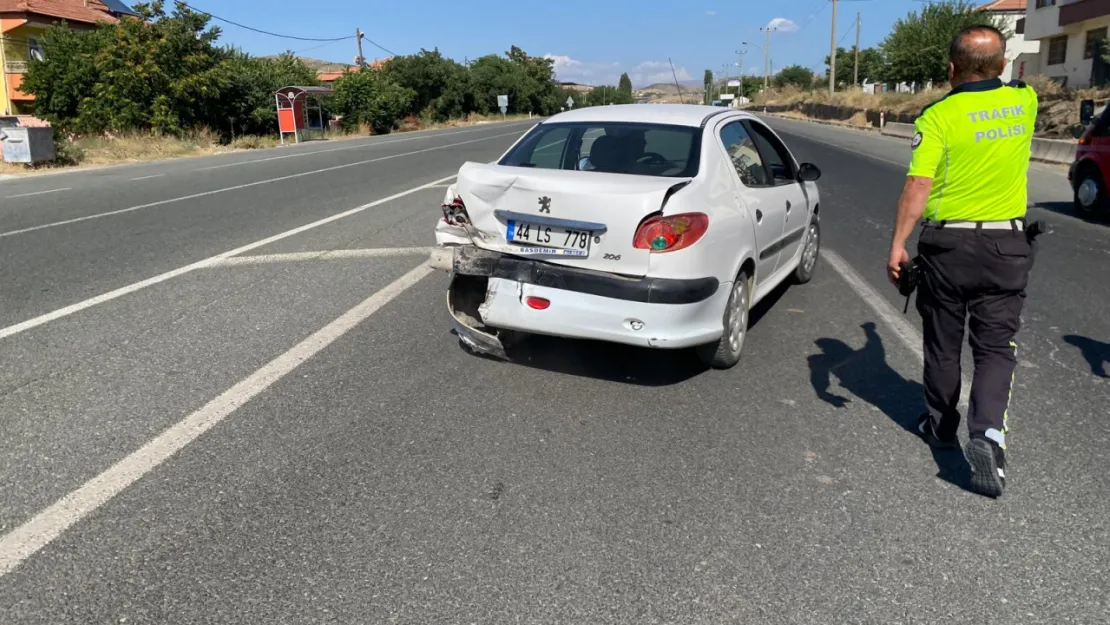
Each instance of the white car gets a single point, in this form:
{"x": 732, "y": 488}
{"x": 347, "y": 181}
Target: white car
{"x": 651, "y": 225}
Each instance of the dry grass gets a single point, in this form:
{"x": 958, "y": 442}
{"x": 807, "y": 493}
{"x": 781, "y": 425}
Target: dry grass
{"x": 912, "y": 103}
{"x": 139, "y": 147}
{"x": 855, "y": 98}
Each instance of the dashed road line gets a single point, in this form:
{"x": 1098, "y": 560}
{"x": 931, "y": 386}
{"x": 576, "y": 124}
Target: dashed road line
{"x": 39, "y": 192}
{"x": 348, "y": 147}
{"x": 245, "y": 186}
{"x": 38, "y": 532}
{"x": 265, "y": 259}
{"x": 131, "y": 288}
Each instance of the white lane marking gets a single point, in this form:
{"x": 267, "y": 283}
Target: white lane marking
{"x": 245, "y": 186}
{"x": 347, "y": 147}
{"x": 39, "y": 192}
{"x": 27, "y": 539}
{"x": 265, "y": 259}
{"x": 148, "y": 177}
{"x": 853, "y": 151}
{"x": 902, "y": 328}
{"x": 131, "y": 288}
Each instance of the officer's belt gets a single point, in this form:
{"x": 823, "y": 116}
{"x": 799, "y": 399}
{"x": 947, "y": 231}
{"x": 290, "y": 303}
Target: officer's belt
{"x": 1006, "y": 224}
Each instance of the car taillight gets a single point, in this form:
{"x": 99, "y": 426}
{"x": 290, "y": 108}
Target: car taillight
{"x": 670, "y": 233}
{"x": 455, "y": 213}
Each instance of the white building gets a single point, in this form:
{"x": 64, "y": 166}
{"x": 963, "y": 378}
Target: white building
{"x": 1022, "y": 53}
{"x": 1070, "y": 31}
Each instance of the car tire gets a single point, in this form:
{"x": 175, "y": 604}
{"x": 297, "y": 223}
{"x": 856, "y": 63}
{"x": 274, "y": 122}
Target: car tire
{"x": 1089, "y": 192}
{"x": 811, "y": 251}
{"x": 725, "y": 352}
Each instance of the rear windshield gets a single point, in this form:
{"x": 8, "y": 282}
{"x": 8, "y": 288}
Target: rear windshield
{"x": 616, "y": 148}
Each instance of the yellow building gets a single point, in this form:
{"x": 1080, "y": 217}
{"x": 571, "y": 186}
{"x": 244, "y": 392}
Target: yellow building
{"x": 22, "y": 25}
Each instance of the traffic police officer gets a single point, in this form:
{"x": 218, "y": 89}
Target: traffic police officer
{"x": 967, "y": 180}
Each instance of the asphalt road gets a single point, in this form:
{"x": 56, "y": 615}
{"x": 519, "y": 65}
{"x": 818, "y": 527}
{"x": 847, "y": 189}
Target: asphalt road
{"x": 216, "y": 408}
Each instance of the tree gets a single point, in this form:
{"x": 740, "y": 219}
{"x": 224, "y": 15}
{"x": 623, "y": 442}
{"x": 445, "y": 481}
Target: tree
{"x": 370, "y": 98}
{"x": 247, "y": 105}
{"x": 870, "y": 62}
{"x": 161, "y": 73}
{"x": 916, "y": 50}
{"x": 441, "y": 85}
{"x": 164, "y": 73}
{"x": 625, "y": 86}
{"x": 607, "y": 94}
{"x": 708, "y": 80}
{"x": 795, "y": 75}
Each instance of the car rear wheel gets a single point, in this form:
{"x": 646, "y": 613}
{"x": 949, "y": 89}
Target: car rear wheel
{"x": 810, "y": 252}
{"x": 1090, "y": 192}
{"x": 725, "y": 352}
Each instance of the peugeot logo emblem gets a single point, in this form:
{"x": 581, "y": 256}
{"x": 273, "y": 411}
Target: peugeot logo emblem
{"x": 545, "y": 204}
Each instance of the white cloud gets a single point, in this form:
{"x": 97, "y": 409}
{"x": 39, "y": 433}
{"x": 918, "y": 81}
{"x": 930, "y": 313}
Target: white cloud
{"x": 650, "y": 72}
{"x": 568, "y": 69}
{"x": 573, "y": 70}
{"x": 711, "y": 13}
{"x": 783, "y": 25}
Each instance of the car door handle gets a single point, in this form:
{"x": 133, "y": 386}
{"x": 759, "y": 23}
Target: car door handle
{"x": 758, "y": 215}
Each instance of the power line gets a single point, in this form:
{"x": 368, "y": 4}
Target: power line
{"x": 814, "y": 14}
{"x": 266, "y": 32}
{"x": 846, "y": 33}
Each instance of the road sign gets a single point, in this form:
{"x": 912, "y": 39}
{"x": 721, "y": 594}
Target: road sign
{"x": 504, "y": 109}
{"x": 570, "y": 102}
{"x": 503, "y": 102}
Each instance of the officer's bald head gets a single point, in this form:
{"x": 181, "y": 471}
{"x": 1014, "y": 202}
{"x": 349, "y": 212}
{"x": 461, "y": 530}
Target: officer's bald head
{"x": 977, "y": 53}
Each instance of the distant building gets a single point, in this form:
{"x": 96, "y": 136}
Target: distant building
{"x": 1022, "y": 54}
{"x": 1071, "y": 33}
{"x": 327, "y": 78}
{"x": 22, "y": 25}
{"x": 573, "y": 86}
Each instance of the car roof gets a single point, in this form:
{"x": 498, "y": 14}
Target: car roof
{"x": 693, "y": 115}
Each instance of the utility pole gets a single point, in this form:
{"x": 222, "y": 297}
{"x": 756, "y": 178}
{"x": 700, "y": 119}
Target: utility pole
{"x": 361, "y": 60}
{"x": 740, "y": 71}
{"x": 832, "y": 53}
{"x": 767, "y": 56}
{"x": 855, "y": 80}
{"x": 724, "y": 85}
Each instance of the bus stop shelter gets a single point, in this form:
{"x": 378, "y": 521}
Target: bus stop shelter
{"x": 294, "y": 107}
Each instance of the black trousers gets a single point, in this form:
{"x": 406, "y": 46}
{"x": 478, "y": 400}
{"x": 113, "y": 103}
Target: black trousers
{"x": 977, "y": 276}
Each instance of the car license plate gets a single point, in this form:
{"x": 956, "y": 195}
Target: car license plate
{"x": 551, "y": 240}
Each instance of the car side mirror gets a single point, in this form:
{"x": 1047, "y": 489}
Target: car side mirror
{"x": 1086, "y": 111}
{"x": 808, "y": 172}
{"x": 1077, "y": 131}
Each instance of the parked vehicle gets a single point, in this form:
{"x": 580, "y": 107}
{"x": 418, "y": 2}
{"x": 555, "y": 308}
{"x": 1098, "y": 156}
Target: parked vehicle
{"x": 658, "y": 226}
{"x": 1090, "y": 170}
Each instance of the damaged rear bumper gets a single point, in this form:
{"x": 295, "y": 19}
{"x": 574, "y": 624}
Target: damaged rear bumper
{"x": 488, "y": 292}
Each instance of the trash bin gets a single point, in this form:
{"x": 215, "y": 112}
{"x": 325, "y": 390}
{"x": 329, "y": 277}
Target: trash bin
{"x": 28, "y": 145}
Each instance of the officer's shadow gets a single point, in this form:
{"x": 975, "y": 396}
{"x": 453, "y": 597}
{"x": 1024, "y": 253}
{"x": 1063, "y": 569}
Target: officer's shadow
{"x": 865, "y": 374}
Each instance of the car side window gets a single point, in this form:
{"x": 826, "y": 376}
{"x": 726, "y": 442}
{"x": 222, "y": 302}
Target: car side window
{"x": 774, "y": 153}
{"x": 550, "y": 149}
{"x": 1101, "y": 125}
{"x": 744, "y": 155}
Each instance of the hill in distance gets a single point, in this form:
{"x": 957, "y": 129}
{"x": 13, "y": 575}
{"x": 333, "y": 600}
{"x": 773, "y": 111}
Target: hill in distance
{"x": 319, "y": 65}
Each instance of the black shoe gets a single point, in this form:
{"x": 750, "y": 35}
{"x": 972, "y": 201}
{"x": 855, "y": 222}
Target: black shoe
{"x": 988, "y": 463}
{"x": 926, "y": 432}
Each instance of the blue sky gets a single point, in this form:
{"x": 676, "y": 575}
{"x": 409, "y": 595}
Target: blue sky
{"x": 592, "y": 41}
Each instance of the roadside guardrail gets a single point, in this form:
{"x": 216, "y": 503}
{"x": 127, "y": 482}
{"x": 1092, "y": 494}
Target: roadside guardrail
{"x": 1044, "y": 150}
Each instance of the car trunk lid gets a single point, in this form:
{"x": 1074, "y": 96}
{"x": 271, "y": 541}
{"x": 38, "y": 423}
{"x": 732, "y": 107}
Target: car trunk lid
{"x": 573, "y": 218}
